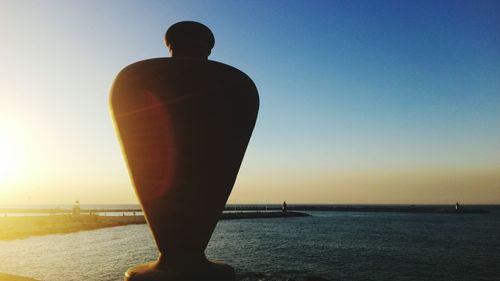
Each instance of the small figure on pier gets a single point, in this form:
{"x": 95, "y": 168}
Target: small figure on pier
{"x": 457, "y": 207}
{"x": 284, "y": 208}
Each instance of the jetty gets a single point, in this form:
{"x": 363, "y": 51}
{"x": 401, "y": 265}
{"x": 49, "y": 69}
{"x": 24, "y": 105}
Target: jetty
{"x": 452, "y": 209}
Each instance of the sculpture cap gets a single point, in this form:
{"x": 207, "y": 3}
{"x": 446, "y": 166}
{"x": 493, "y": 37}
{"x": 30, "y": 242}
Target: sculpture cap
{"x": 189, "y": 39}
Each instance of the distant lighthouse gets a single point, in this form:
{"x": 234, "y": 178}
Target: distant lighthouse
{"x": 76, "y": 209}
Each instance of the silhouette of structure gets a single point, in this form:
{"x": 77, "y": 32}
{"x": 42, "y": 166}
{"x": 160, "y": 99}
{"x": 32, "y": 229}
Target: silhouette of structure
{"x": 184, "y": 124}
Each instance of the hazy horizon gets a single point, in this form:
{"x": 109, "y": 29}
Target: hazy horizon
{"x": 128, "y": 205}
{"x": 360, "y": 102}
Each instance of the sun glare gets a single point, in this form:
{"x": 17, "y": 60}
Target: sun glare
{"x": 11, "y": 156}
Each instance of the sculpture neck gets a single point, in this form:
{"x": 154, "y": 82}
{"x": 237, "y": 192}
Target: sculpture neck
{"x": 189, "y": 54}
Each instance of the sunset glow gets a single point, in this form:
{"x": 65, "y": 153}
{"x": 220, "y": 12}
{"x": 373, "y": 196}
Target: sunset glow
{"x": 360, "y": 102}
{"x": 13, "y": 158}
{"x": 249, "y": 140}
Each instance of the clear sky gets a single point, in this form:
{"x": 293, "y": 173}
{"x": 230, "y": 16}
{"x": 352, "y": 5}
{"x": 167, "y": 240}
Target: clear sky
{"x": 361, "y": 101}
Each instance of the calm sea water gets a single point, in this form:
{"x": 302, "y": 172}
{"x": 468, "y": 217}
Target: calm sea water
{"x": 332, "y": 245}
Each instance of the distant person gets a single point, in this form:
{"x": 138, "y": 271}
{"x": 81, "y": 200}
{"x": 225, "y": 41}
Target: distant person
{"x": 284, "y": 208}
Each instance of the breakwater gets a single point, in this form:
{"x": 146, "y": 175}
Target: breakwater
{"x": 371, "y": 208}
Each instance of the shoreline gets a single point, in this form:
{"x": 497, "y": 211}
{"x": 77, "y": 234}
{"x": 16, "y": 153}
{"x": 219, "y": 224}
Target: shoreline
{"x": 19, "y": 227}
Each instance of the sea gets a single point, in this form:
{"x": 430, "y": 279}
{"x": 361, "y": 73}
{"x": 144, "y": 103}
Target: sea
{"x": 329, "y": 245}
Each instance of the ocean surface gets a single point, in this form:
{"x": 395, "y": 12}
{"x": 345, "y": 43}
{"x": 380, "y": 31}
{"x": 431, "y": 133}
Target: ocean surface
{"x": 332, "y": 245}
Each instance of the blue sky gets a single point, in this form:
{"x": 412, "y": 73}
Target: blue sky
{"x": 356, "y": 89}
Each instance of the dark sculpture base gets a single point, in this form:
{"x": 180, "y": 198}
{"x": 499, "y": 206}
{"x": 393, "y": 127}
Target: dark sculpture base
{"x": 203, "y": 270}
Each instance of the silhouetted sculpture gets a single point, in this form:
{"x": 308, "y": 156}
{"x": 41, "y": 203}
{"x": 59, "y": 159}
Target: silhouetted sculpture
{"x": 184, "y": 124}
